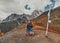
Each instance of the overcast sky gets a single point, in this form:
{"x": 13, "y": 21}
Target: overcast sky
{"x": 17, "y": 6}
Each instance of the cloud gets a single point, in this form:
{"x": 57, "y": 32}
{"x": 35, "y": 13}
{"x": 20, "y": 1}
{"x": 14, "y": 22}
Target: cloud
{"x": 3, "y": 15}
{"x": 57, "y": 3}
{"x": 9, "y": 6}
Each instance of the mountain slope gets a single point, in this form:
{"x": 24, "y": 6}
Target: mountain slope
{"x": 15, "y": 16}
{"x": 55, "y": 20}
{"x": 12, "y": 21}
{"x": 19, "y": 36}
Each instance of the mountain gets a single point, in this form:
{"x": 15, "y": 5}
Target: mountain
{"x": 12, "y": 21}
{"x": 35, "y": 14}
{"x": 54, "y": 26}
{"x": 15, "y": 16}
{"x": 19, "y": 34}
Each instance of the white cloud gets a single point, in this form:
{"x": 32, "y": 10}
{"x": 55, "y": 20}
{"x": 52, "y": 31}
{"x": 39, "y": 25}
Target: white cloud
{"x": 3, "y": 15}
{"x": 57, "y": 3}
{"x": 9, "y": 6}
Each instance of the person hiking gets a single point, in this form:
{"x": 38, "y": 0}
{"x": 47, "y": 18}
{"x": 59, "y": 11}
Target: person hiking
{"x": 30, "y": 30}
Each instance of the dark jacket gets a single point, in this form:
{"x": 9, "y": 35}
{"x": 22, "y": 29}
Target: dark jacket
{"x": 29, "y": 26}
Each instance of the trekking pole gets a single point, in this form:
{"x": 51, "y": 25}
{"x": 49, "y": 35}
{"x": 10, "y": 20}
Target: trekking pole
{"x": 46, "y": 34}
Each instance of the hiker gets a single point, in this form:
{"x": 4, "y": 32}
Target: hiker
{"x": 30, "y": 28}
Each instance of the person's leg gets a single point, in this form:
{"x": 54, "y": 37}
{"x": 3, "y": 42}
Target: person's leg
{"x": 31, "y": 33}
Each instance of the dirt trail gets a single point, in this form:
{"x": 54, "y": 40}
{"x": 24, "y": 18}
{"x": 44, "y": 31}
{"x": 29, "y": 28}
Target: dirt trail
{"x": 19, "y": 36}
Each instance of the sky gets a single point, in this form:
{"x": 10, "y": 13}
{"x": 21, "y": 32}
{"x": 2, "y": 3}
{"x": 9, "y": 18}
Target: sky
{"x": 23, "y": 6}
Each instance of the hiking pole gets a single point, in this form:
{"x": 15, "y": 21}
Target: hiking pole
{"x": 46, "y": 34}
